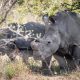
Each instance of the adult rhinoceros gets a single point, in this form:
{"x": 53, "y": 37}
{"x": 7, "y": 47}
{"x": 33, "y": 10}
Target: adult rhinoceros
{"x": 31, "y": 29}
{"x": 62, "y": 31}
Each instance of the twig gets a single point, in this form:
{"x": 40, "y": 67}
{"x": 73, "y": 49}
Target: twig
{"x": 6, "y": 13}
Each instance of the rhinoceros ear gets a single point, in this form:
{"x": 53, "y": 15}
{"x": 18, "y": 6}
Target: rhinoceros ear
{"x": 51, "y": 18}
{"x": 45, "y": 18}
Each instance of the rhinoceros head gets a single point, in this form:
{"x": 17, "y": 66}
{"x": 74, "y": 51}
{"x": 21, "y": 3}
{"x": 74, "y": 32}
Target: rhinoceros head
{"x": 49, "y": 43}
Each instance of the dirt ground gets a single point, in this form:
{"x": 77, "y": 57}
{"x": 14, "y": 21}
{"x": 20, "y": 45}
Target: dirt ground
{"x": 19, "y": 71}
{"x": 39, "y": 77}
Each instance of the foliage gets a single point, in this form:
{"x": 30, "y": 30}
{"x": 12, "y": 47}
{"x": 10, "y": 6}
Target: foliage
{"x": 10, "y": 71}
{"x": 73, "y": 6}
{"x": 20, "y": 2}
{"x": 13, "y": 69}
{"x": 40, "y": 7}
{"x": 36, "y": 7}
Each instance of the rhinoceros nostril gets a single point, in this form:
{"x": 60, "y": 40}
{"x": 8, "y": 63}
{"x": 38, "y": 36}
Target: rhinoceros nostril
{"x": 49, "y": 42}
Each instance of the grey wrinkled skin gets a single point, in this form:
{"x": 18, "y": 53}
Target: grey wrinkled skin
{"x": 67, "y": 26}
{"x": 70, "y": 35}
{"x": 35, "y": 29}
{"x": 75, "y": 50}
{"x": 14, "y": 30}
{"x": 24, "y": 48}
{"x": 49, "y": 43}
{"x": 46, "y": 46}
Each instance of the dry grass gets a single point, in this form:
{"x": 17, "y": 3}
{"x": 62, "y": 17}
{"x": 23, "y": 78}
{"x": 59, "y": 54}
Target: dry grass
{"x": 19, "y": 71}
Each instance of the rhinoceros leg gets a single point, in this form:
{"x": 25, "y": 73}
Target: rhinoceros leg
{"x": 62, "y": 63}
{"x": 66, "y": 62}
{"x": 25, "y": 55}
{"x": 70, "y": 62}
{"x": 46, "y": 66}
{"x": 76, "y": 55}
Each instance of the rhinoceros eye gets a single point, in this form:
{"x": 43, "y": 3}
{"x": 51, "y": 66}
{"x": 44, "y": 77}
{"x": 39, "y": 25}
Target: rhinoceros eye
{"x": 48, "y": 42}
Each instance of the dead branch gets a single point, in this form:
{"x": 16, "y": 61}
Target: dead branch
{"x": 6, "y": 9}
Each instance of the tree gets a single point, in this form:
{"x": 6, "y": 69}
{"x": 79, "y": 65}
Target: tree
{"x": 5, "y": 7}
{"x": 37, "y": 7}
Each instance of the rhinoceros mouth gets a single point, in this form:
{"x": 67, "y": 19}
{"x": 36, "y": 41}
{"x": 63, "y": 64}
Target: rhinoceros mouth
{"x": 34, "y": 47}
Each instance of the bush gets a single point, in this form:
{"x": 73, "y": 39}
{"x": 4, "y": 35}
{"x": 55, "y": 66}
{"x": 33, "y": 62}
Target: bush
{"x": 10, "y": 72}
{"x": 20, "y": 2}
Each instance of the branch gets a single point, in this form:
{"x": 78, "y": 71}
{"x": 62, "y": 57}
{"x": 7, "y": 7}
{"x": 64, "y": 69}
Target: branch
{"x": 6, "y": 13}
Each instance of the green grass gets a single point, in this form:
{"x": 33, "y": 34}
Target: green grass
{"x": 10, "y": 72}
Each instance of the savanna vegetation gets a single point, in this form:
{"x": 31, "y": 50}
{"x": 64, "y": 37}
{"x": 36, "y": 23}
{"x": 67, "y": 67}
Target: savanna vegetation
{"x": 23, "y": 11}
{"x": 17, "y": 10}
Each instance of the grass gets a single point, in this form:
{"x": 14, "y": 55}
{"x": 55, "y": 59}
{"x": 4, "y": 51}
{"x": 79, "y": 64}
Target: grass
{"x": 13, "y": 69}
{"x": 19, "y": 71}
{"x": 10, "y": 72}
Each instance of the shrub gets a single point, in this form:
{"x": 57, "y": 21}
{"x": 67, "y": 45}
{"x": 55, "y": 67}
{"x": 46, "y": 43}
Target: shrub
{"x": 10, "y": 72}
